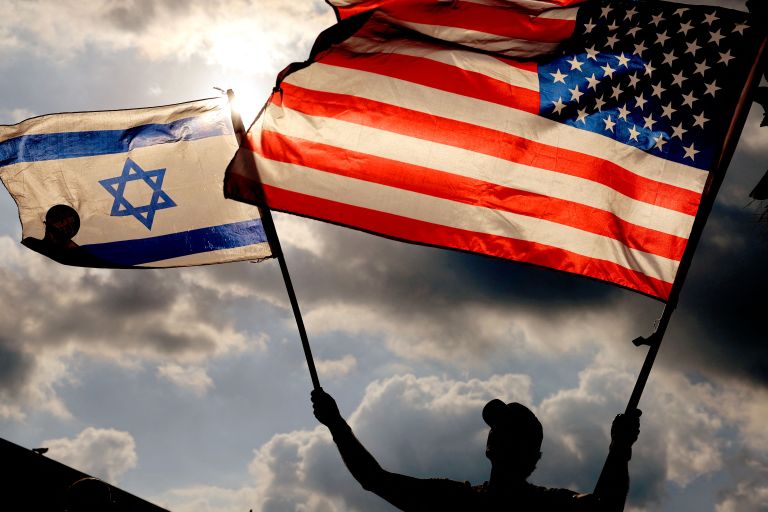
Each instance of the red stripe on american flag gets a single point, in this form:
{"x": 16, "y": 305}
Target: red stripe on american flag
{"x": 348, "y": 11}
{"x": 440, "y": 76}
{"x": 423, "y": 180}
{"x": 404, "y": 228}
{"x": 490, "y": 142}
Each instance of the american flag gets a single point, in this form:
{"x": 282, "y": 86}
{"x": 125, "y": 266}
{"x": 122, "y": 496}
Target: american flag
{"x": 575, "y": 137}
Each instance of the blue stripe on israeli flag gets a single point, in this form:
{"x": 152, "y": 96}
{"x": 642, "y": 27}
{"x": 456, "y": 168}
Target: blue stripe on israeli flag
{"x": 145, "y": 250}
{"x": 57, "y": 146}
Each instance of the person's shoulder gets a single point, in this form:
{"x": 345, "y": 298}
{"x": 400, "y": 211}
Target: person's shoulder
{"x": 563, "y": 499}
{"x": 35, "y": 244}
{"x": 448, "y": 483}
{"x": 550, "y": 491}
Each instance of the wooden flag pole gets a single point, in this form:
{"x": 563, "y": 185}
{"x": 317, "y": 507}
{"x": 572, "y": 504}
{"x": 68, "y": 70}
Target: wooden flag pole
{"x": 277, "y": 251}
{"x": 711, "y": 189}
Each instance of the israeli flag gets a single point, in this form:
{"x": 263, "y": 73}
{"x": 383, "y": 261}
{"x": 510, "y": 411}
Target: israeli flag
{"x": 130, "y": 188}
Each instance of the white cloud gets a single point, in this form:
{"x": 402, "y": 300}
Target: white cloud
{"x": 751, "y": 493}
{"x": 472, "y": 334}
{"x": 261, "y": 35}
{"x": 193, "y": 378}
{"x": 50, "y": 313}
{"x": 431, "y": 427}
{"x": 300, "y": 233}
{"x": 747, "y": 497}
{"x": 421, "y": 426}
{"x": 680, "y": 434}
{"x": 693, "y": 426}
{"x": 8, "y": 41}
{"x": 28, "y": 381}
{"x": 753, "y": 137}
{"x": 336, "y": 367}
{"x": 205, "y": 498}
{"x": 15, "y": 115}
{"x": 103, "y": 453}
{"x": 745, "y": 407}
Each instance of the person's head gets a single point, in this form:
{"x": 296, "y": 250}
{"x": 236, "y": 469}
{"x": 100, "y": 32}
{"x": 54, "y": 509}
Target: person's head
{"x": 514, "y": 442}
{"x": 61, "y": 224}
{"x": 89, "y": 495}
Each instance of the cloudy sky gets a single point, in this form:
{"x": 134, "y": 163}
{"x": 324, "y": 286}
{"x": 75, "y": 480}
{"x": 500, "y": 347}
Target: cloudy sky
{"x": 188, "y": 387}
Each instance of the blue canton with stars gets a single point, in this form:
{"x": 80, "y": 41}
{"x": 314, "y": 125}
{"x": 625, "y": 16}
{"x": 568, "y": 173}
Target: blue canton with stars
{"x": 658, "y": 76}
{"x": 153, "y": 179}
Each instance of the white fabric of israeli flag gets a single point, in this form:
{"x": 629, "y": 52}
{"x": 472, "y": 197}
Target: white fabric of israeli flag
{"x": 136, "y": 188}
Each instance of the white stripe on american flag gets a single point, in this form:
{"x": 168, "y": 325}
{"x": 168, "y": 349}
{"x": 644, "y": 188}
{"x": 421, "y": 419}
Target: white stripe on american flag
{"x": 434, "y": 210}
{"x": 560, "y": 14}
{"x": 481, "y": 113}
{"x": 462, "y": 162}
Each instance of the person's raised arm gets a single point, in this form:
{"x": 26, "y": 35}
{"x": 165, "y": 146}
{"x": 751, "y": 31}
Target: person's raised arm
{"x": 405, "y": 492}
{"x": 358, "y": 460}
{"x": 613, "y": 485}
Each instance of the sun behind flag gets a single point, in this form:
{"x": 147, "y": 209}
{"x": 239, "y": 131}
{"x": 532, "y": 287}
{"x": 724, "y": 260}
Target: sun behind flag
{"x": 130, "y": 188}
{"x": 414, "y": 120}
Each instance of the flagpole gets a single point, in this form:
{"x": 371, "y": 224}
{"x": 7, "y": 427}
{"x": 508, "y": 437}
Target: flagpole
{"x": 277, "y": 251}
{"x": 715, "y": 180}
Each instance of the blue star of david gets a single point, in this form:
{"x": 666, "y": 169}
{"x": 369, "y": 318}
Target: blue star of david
{"x": 122, "y": 207}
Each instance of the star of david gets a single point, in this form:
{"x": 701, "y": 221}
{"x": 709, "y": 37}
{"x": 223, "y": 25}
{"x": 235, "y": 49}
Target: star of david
{"x": 122, "y": 207}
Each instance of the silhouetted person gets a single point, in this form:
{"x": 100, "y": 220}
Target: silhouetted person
{"x": 61, "y": 225}
{"x": 513, "y": 448}
{"x": 89, "y": 495}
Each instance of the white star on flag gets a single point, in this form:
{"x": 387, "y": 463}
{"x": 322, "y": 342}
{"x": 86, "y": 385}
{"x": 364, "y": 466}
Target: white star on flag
{"x": 690, "y": 152}
{"x": 558, "y": 76}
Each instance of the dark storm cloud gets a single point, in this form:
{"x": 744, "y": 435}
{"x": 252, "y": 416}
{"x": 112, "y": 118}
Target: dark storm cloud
{"x": 404, "y": 279}
{"x": 126, "y": 307}
{"x": 134, "y": 294}
{"x": 136, "y": 15}
{"x": 132, "y": 16}
{"x": 435, "y": 305}
{"x": 500, "y": 280}
{"x": 15, "y": 367}
{"x": 426, "y": 303}
{"x": 53, "y": 311}
{"x": 723, "y": 313}
{"x": 434, "y": 299}
{"x": 401, "y": 274}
